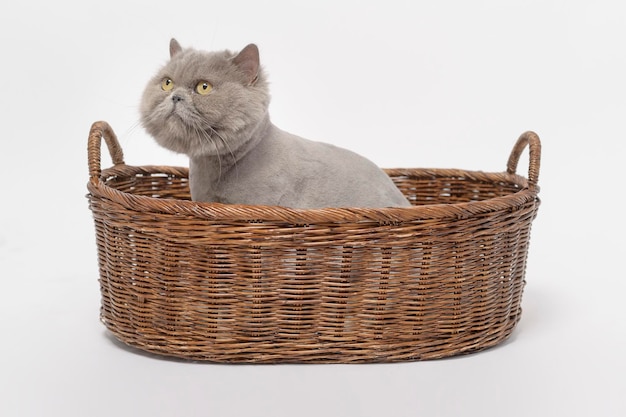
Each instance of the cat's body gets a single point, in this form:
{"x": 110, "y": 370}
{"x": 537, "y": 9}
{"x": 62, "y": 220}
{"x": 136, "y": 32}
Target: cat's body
{"x": 236, "y": 154}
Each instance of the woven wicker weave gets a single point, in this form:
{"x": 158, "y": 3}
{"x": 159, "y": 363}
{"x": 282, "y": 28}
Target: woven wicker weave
{"x": 229, "y": 283}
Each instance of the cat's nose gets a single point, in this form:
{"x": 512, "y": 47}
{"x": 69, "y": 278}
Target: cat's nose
{"x": 176, "y": 98}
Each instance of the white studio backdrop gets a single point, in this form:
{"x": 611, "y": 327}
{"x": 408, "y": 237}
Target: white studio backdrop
{"x": 447, "y": 84}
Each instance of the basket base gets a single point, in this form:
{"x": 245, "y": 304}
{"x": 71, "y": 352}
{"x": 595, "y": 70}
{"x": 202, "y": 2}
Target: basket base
{"x": 326, "y": 352}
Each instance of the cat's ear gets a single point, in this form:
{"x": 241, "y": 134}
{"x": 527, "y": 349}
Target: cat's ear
{"x": 175, "y": 47}
{"x": 248, "y": 61}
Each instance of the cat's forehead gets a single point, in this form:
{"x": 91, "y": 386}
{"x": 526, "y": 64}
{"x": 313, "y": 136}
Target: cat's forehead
{"x": 193, "y": 65}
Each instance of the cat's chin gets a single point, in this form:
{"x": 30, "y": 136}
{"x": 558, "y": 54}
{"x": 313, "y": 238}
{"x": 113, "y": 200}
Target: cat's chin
{"x": 167, "y": 135}
{"x": 172, "y": 144}
{"x": 193, "y": 143}
{"x": 181, "y": 113}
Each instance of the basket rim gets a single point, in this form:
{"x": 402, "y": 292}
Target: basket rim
{"x": 256, "y": 213}
{"x": 528, "y": 190}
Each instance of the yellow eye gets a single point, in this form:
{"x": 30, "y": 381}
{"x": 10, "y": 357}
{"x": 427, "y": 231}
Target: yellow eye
{"x": 167, "y": 84}
{"x": 204, "y": 87}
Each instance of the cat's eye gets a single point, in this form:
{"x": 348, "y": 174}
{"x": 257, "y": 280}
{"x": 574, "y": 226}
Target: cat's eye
{"x": 167, "y": 84}
{"x": 204, "y": 87}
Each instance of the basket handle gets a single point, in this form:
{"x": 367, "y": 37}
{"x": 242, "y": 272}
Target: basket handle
{"x": 530, "y": 139}
{"x": 102, "y": 130}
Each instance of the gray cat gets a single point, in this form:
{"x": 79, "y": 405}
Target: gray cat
{"x": 213, "y": 106}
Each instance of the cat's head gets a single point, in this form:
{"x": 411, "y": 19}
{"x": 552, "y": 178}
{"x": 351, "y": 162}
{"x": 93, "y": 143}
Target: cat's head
{"x": 205, "y": 103}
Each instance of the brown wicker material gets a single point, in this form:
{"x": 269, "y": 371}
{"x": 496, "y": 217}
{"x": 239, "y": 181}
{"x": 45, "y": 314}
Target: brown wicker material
{"x": 234, "y": 283}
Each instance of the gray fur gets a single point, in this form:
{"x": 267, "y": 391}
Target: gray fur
{"x": 237, "y": 155}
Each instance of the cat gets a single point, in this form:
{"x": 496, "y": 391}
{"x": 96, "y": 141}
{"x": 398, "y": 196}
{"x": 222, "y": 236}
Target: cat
{"x": 213, "y": 107}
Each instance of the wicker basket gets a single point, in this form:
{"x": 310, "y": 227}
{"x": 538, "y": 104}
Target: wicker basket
{"x": 234, "y": 283}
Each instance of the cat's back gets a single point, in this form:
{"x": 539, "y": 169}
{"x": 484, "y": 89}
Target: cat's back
{"x": 324, "y": 175}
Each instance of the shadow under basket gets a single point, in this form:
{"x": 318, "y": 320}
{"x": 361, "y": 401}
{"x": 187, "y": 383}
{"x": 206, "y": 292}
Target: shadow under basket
{"x": 260, "y": 284}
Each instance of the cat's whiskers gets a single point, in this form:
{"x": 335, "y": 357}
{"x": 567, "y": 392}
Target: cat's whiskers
{"x": 207, "y": 138}
{"x": 204, "y": 137}
{"x": 133, "y": 127}
{"x": 227, "y": 146}
{"x": 194, "y": 125}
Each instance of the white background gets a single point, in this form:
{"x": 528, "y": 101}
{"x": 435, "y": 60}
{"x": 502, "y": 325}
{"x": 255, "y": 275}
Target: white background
{"x": 446, "y": 84}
